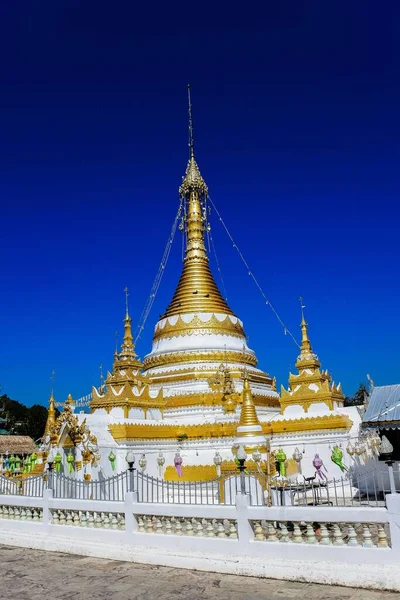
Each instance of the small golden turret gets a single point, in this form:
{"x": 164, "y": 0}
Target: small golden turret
{"x": 51, "y": 415}
{"x": 248, "y": 414}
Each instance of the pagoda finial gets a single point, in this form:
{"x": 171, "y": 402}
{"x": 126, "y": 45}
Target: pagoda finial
{"x": 116, "y": 343}
{"x": 53, "y": 374}
{"x": 127, "y": 347}
{"x": 305, "y": 341}
{"x": 192, "y": 181}
{"x": 191, "y": 138}
{"x": 126, "y": 290}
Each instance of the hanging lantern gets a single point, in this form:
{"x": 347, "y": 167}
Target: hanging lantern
{"x": 257, "y": 456}
{"x": 359, "y": 448}
{"x": 218, "y": 462}
{"x": 143, "y": 462}
{"x": 350, "y": 449}
{"x": 297, "y": 457}
{"x": 235, "y": 449}
{"x": 178, "y": 463}
{"x": 160, "y": 462}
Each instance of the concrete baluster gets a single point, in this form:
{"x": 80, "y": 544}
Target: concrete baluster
{"x": 149, "y": 524}
{"x": 189, "y": 527}
{"x": 220, "y": 529}
{"x": 337, "y": 535}
{"x": 310, "y": 534}
{"x": 168, "y": 526}
{"x": 258, "y": 531}
{"x": 352, "y": 535}
{"x": 140, "y": 524}
{"x": 159, "y": 525}
{"x": 114, "y": 521}
{"x": 210, "y": 528}
{"x": 233, "y": 530}
{"x": 367, "y": 537}
{"x": 325, "y": 540}
{"x": 297, "y": 536}
{"x": 271, "y": 531}
{"x": 382, "y": 537}
{"x": 284, "y": 533}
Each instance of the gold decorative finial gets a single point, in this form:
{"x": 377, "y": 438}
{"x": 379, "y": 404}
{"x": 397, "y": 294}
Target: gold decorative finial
{"x": 116, "y": 342}
{"x": 191, "y": 139}
{"x": 53, "y": 374}
{"x": 192, "y": 181}
{"x": 305, "y": 342}
{"x": 128, "y": 347}
{"x": 126, "y": 302}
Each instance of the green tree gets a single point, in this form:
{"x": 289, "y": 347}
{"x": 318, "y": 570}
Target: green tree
{"x": 23, "y": 420}
{"x": 358, "y": 397}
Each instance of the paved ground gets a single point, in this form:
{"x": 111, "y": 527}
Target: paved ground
{"x": 34, "y": 575}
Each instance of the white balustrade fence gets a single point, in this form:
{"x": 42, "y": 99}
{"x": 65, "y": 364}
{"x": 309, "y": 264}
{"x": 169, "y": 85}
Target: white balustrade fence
{"x": 346, "y": 545}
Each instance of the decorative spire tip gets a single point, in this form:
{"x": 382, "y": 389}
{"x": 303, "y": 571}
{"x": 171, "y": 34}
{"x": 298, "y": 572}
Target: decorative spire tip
{"x": 191, "y": 139}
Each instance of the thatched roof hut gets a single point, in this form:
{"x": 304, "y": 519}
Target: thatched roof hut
{"x": 17, "y": 444}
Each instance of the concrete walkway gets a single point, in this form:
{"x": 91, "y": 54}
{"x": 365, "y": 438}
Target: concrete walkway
{"x": 35, "y": 574}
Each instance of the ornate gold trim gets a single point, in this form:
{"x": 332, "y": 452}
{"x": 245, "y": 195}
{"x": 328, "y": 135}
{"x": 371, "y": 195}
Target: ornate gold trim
{"x": 197, "y": 374}
{"x": 311, "y": 424}
{"x": 210, "y": 399}
{"x": 196, "y": 326}
{"x": 199, "y": 356}
{"x": 138, "y": 431}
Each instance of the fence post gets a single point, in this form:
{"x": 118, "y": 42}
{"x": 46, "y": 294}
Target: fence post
{"x": 391, "y": 476}
{"x": 47, "y": 495}
{"x": 245, "y": 531}
{"x": 131, "y": 524}
{"x": 131, "y": 475}
{"x": 393, "y": 508}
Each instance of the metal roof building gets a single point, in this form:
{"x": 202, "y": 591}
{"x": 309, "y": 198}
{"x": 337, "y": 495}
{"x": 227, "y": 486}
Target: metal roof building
{"x": 384, "y": 407}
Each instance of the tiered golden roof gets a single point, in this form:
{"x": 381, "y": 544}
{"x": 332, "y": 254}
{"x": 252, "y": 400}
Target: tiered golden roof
{"x": 310, "y": 385}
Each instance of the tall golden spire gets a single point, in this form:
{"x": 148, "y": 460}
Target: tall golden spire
{"x": 305, "y": 341}
{"x": 197, "y": 290}
{"x": 248, "y": 414}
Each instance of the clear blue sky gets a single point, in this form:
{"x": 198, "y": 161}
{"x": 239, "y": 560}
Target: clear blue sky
{"x": 296, "y": 112}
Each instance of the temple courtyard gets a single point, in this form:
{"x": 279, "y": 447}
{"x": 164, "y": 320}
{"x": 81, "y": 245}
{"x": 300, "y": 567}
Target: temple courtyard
{"x": 35, "y": 575}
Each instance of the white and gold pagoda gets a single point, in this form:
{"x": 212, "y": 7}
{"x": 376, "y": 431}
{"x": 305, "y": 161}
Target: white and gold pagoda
{"x": 187, "y": 394}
